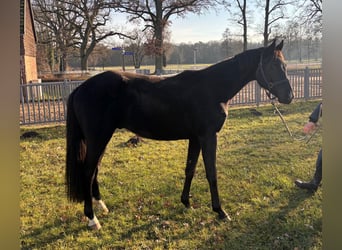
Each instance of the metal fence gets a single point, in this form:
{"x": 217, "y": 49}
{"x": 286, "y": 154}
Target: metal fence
{"x": 46, "y": 102}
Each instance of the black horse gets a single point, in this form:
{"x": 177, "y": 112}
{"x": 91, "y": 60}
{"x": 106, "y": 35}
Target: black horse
{"x": 191, "y": 105}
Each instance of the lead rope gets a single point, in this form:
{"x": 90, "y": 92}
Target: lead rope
{"x": 282, "y": 118}
{"x": 289, "y": 131}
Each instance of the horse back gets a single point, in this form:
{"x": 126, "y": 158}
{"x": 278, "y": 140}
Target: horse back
{"x": 103, "y": 84}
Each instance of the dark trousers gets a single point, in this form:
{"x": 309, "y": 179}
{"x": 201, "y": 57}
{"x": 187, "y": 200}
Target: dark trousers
{"x": 318, "y": 172}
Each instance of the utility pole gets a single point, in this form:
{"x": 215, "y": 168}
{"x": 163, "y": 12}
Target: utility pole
{"x": 195, "y": 56}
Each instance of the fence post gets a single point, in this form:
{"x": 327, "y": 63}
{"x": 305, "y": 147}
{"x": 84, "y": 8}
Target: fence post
{"x": 257, "y": 93}
{"x": 65, "y": 95}
{"x": 306, "y": 83}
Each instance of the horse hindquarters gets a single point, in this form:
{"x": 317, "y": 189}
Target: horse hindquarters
{"x": 88, "y": 133}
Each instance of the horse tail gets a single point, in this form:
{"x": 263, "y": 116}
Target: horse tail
{"x": 75, "y": 156}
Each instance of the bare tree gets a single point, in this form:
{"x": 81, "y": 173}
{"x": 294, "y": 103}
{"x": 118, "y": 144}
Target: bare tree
{"x": 155, "y": 14}
{"x": 243, "y": 21}
{"x": 273, "y": 12}
{"x": 226, "y": 37}
{"x": 137, "y": 46}
{"x": 314, "y": 10}
{"x": 311, "y": 14}
{"x": 238, "y": 9}
{"x": 56, "y": 35}
{"x": 90, "y": 25}
{"x": 76, "y": 23}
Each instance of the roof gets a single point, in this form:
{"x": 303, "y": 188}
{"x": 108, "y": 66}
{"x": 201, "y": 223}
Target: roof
{"x": 23, "y": 4}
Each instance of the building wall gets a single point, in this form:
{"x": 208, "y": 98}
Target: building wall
{"x": 31, "y": 68}
{"x": 28, "y": 47}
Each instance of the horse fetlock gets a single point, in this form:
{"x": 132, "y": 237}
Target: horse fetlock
{"x": 94, "y": 224}
{"x": 186, "y": 202}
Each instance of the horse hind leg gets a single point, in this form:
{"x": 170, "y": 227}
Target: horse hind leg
{"x": 193, "y": 153}
{"x": 88, "y": 206}
{"x": 92, "y": 160}
{"x": 96, "y": 193}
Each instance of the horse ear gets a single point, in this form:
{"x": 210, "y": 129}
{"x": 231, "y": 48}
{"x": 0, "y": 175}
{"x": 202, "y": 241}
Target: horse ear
{"x": 280, "y": 45}
{"x": 269, "y": 51}
{"x": 272, "y": 45}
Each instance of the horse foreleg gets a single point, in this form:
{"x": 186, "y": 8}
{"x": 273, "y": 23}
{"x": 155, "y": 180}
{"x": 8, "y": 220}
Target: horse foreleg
{"x": 193, "y": 153}
{"x": 208, "y": 145}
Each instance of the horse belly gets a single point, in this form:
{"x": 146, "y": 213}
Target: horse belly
{"x": 159, "y": 128}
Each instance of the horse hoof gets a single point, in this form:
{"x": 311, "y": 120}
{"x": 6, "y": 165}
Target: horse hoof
{"x": 95, "y": 227}
{"x": 186, "y": 203}
{"x": 94, "y": 224}
{"x": 224, "y": 216}
{"x": 105, "y": 211}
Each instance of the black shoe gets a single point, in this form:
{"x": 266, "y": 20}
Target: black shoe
{"x": 311, "y": 186}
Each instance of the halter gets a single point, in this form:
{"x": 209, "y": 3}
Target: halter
{"x": 269, "y": 84}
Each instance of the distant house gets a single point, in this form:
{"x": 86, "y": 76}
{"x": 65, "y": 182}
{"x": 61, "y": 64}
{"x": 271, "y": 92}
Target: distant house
{"x": 28, "y": 44}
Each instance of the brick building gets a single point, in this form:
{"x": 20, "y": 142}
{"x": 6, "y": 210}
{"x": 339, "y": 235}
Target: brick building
{"x": 28, "y": 44}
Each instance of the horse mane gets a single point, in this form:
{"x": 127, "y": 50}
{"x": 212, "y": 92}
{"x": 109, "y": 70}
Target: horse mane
{"x": 127, "y": 76}
{"x": 280, "y": 55}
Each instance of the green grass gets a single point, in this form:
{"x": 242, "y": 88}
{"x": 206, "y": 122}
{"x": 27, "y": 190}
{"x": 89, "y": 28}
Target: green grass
{"x": 257, "y": 163}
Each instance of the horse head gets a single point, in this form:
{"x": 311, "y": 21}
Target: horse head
{"x": 271, "y": 73}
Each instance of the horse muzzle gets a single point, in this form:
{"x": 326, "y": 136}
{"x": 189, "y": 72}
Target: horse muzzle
{"x": 282, "y": 90}
{"x": 286, "y": 100}
{"x": 285, "y": 94}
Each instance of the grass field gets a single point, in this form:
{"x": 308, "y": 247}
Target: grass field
{"x": 257, "y": 163}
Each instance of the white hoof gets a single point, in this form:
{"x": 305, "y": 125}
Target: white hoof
{"x": 103, "y": 206}
{"x": 100, "y": 204}
{"x": 94, "y": 224}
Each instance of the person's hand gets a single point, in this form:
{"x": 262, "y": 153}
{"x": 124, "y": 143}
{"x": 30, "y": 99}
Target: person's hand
{"x": 309, "y": 127}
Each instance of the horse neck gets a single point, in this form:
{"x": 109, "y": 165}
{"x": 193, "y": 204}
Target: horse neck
{"x": 248, "y": 64}
{"x": 231, "y": 75}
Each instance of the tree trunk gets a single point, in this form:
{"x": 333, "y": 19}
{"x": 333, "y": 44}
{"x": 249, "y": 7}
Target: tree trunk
{"x": 244, "y": 27}
{"x": 267, "y": 7}
{"x": 63, "y": 63}
{"x": 84, "y": 62}
{"x": 158, "y": 43}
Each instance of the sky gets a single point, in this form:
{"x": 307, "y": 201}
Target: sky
{"x": 192, "y": 28}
